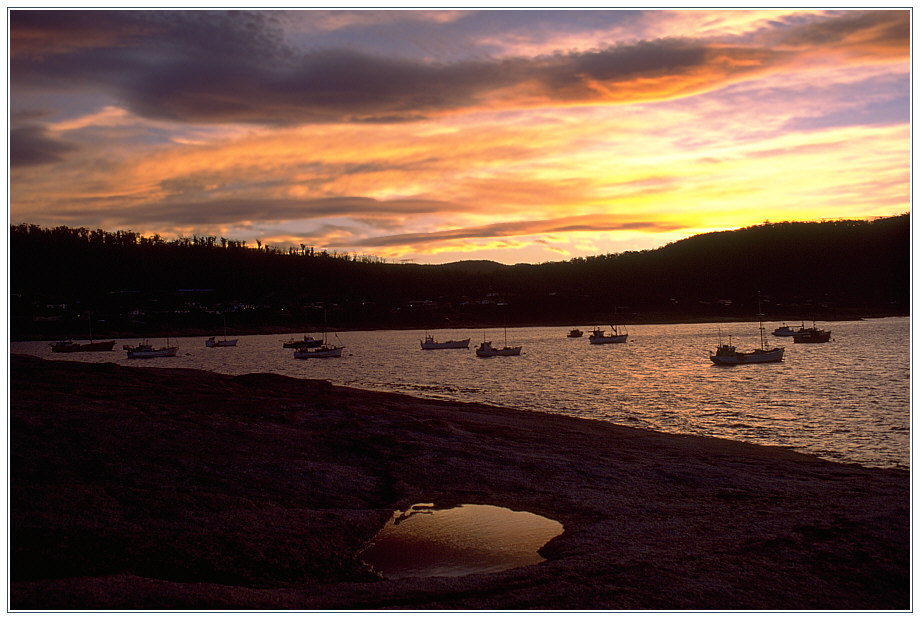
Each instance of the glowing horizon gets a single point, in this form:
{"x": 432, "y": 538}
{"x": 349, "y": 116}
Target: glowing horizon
{"x": 434, "y": 136}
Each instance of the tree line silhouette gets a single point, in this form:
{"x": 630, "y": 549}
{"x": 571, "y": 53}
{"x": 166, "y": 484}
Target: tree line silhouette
{"x": 133, "y": 283}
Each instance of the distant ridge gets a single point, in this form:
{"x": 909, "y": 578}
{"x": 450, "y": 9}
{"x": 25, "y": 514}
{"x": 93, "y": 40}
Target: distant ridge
{"x": 474, "y": 266}
{"x": 136, "y": 285}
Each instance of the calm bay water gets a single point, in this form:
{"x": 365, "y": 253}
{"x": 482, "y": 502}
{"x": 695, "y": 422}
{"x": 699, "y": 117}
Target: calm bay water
{"x": 847, "y": 400}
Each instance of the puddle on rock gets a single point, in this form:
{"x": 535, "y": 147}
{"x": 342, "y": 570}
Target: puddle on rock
{"x": 425, "y": 541}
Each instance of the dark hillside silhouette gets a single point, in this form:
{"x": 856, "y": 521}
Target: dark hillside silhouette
{"x": 136, "y": 284}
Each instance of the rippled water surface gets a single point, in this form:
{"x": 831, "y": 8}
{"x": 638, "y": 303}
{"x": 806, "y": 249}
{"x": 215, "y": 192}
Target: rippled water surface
{"x": 846, "y": 400}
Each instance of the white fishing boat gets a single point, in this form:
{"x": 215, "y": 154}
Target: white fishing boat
{"x": 486, "y": 349}
{"x": 598, "y": 336}
{"x": 429, "y": 343}
{"x": 147, "y": 351}
{"x": 728, "y": 355}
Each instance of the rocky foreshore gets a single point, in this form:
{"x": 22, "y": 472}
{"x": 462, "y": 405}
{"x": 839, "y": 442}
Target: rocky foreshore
{"x": 181, "y": 489}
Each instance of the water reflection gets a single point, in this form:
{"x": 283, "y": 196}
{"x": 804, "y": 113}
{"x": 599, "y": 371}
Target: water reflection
{"x": 425, "y": 541}
{"x": 848, "y": 399}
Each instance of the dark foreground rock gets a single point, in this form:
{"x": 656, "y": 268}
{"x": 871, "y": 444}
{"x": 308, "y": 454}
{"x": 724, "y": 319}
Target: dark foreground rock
{"x": 182, "y": 489}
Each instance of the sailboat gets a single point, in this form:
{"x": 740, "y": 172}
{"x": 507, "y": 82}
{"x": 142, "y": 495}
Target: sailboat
{"x": 728, "y": 355}
{"x": 324, "y": 349}
{"x": 214, "y": 342}
{"x": 69, "y": 346}
{"x": 486, "y": 349}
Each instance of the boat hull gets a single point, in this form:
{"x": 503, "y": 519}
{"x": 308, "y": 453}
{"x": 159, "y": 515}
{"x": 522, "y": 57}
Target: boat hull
{"x": 608, "y": 339}
{"x": 758, "y": 356}
{"x": 302, "y": 354}
{"x": 599, "y": 336}
{"x": 140, "y": 354}
{"x": 450, "y": 344}
{"x": 220, "y": 343}
{"x": 818, "y": 335}
{"x": 300, "y": 344}
{"x": 505, "y": 352}
{"x": 74, "y": 347}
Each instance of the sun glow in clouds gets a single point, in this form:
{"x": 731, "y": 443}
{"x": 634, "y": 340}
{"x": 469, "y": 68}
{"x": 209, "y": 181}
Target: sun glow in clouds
{"x": 440, "y": 135}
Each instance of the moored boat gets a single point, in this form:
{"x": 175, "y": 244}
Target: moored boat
{"x": 575, "y": 333}
{"x": 728, "y": 355}
{"x": 786, "y": 331}
{"x": 147, "y": 351}
{"x": 306, "y": 341}
{"x": 214, "y": 342}
{"x": 487, "y": 350}
{"x": 430, "y": 344}
{"x": 598, "y": 336}
{"x": 324, "y": 350}
{"x": 225, "y": 342}
{"x": 69, "y": 346}
{"x": 812, "y": 334}
{"x": 318, "y": 348}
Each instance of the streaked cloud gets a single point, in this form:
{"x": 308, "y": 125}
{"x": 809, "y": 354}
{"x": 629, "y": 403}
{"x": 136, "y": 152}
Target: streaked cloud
{"x": 219, "y": 213}
{"x": 213, "y": 73}
{"x": 585, "y": 223}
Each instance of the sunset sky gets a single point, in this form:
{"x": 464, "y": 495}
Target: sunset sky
{"x": 434, "y": 136}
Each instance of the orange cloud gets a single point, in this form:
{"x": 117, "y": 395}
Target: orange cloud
{"x": 881, "y": 35}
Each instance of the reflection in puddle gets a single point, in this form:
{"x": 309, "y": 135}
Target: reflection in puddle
{"x": 425, "y": 541}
